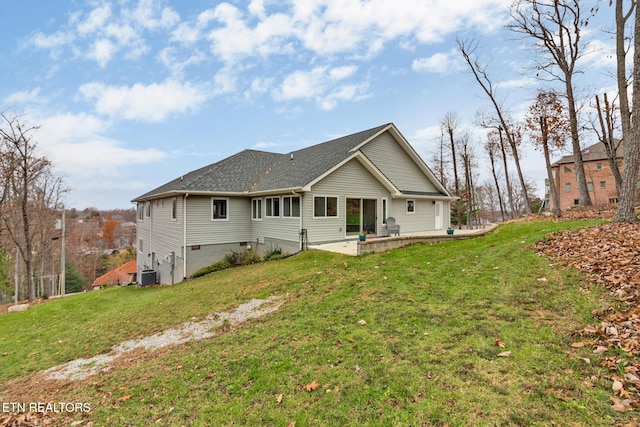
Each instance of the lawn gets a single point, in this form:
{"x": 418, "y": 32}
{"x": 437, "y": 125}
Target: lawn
{"x": 459, "y": 333}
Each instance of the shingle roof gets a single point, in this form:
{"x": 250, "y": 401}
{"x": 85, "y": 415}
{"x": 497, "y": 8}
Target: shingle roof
{"x": 252, "y": 171}
{"x": 591, "y": 153}
{"x": 121, "y": 275}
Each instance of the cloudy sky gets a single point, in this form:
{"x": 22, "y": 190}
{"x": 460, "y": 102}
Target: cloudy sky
{"x": 130, "y": 94}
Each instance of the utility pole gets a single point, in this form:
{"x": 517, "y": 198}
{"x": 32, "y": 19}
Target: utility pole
{"x": 17, "y": 276}
{"x": 62, "y": 261}
{"x": 61, "y": 225}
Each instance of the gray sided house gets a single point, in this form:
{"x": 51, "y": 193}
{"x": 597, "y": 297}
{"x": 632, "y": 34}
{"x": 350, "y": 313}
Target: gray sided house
{"x": 258, "y": 201}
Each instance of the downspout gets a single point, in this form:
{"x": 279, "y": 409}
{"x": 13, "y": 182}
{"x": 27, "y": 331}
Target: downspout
{"x": 301, "y": 226}
{"x": 184, "y": 236}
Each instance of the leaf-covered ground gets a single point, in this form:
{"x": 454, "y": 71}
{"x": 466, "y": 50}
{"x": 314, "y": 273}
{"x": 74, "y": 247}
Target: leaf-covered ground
{"x": 610, "y": 255}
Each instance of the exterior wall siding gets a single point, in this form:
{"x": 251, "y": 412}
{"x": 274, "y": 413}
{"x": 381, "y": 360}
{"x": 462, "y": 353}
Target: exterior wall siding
{"x": 423, "y": 219}
{"x": 352, "y": 180}
{"x": 278, "y": 228}
{"x": 202, "y": 230}
{"x": 161, "y": 235}
{"x": 396, "y": 165}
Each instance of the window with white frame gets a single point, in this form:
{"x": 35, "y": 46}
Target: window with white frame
{"x": 147, "y": 209}
{"x": 219, "y": 209}
{"x": 384, "y": 211}
{"x": 411, "y": 206}
{"x": 140, "y": 246}
{"x": 174, "y": 209}
{"x": 291, "y": 206}
{"x": 272, "y": 207}
{"x": 256, "y": 209}
{"x": 325, "y": 206}
{"x": 141, "y": 211}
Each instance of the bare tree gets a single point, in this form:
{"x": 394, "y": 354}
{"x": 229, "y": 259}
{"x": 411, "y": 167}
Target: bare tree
{"x": 450, "y": 124}
{"x": 491, "y": 148}
{"x": 548, "y": 127}
{"x": 606, "y": 119}
{"x": 440, "y": 159}
{"x": 479, "y": 72}
{"x": 622, "y": 17}
{"x": 555, "y": 26}
{"x": 468, "y": 161}
{"x": 29, "y": 188}
{"x": 628, "y": 193}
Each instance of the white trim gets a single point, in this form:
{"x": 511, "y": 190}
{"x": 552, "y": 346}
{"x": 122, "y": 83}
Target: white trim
{"x": 384, "y": 210}
{"x": 268, "y": 206}
{"x": 438, "y": 214}
{"x": 261, "y": 209}
{"x": 282, "y": 206}
{"x": 174, "y": 209}
{"x": 337, "y": 215}
{"x": 226, "y": 218}
{"x": 412, "y": 203}
{"x": 373, "y": 170}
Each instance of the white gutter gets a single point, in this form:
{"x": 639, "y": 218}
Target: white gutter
{"x": 184, "y": 235}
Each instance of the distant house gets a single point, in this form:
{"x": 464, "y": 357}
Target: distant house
{"x": 123, "y": 275}
{"x": 257, "y": 200}
{"x": 600, "y": 180}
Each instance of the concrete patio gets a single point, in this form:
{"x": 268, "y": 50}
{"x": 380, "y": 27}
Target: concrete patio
{"x": 355, "y": 247}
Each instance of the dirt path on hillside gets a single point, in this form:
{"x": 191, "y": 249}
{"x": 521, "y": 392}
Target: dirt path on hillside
{"x": 43, "y": 386}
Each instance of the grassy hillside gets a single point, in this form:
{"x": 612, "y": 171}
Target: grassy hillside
{"x": 459, "y": 333}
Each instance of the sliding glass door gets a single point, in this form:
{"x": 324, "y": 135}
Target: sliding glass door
{"x": 361, "y": 215}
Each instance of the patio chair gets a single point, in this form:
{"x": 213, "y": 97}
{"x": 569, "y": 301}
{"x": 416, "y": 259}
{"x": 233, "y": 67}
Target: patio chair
{"x": 392, "y": 227}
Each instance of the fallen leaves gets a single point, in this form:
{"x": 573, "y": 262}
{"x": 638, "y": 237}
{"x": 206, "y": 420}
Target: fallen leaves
{"x": 312, "y": 386}
{"x": 609, "y": 255}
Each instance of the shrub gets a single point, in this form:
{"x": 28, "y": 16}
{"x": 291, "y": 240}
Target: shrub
{"x": 272, "y": 253}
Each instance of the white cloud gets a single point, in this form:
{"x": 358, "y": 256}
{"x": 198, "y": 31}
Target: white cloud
{"x": 149, "y": 15}
{"x": 170, "y": 58}
{"x": 518, "y": 83}
{"x": 185, "y": 33}
{"x": 102, "y": 33}
{"x": 52, "y": 41}
{"x": 21, "y": 98}
{"x": 96, "y": 19}
{"x": 442, "y": 62}
{"x": 79, "y": 149}
{"x": 151, "y": 103}
{"x": 102, "y": 51}
{"x": 322, "y": 84}
{"x": 329, "y": 27}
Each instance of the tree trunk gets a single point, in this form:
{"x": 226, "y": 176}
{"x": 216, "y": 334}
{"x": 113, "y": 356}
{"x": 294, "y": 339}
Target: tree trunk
{"x": 516, "y": 159}
{"x": 495, "y": 180}
{"x": 627, "y": 199}
{"x": 607, "y": 139}
{"x": 583, "y": 190}
{"x": 455, "y": 177}
{"x": 506, "y": 176}
{"x": 552, "y": 184}
{"x": 621, "y": 71}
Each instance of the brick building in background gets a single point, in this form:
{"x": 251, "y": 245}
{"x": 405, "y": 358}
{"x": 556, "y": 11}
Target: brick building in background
{"x": 600, "y": 180}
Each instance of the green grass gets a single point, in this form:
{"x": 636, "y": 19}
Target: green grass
{"x": 427, "y": 355}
